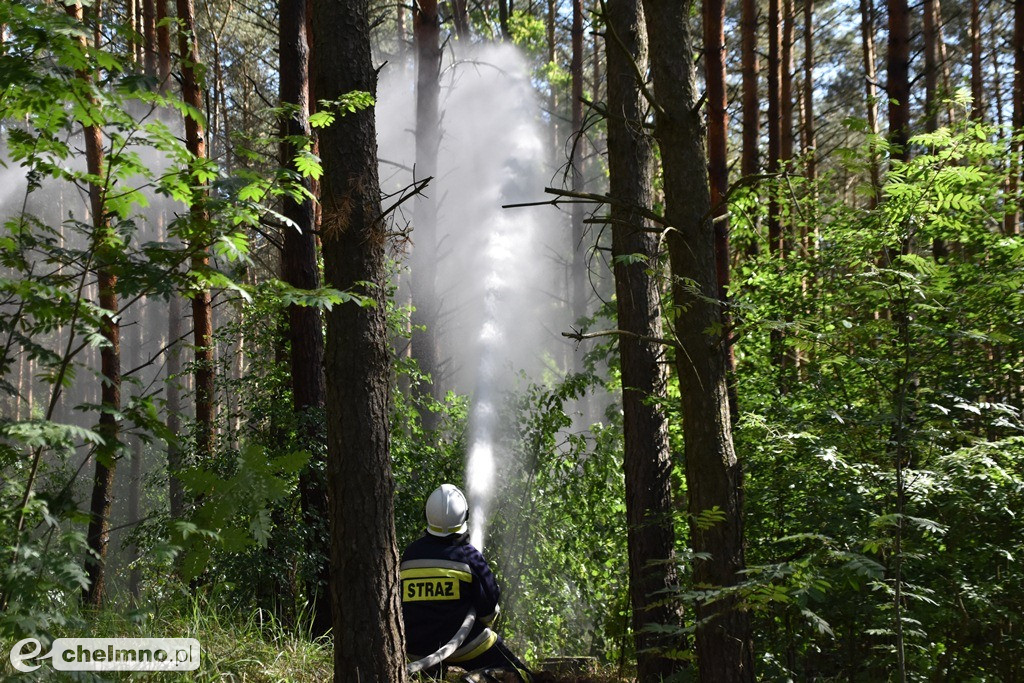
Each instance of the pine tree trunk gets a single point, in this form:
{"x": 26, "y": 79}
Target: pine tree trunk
{"x": 105, "y": 254}
{"x": 931, "y": 67}
{"x": 810, "y": 143}
{"x": 503, "y": 14}
{"x": 550, "y": 19}
{"x": 426, "y": 32}
{"x": 1010, "y": 226}
{"x": 580, "y": 288}
{"x": 300, "y": 268}
{"x": 647, "y": 459}
{"x": 718, "y": 163}
{"x": 774, "y": 119}
{"x": 149, "y": 41}
{"x": 898, "y": 84}
{"x": 997, "y": 81}
{"x": 163, "y": 42}
{"x": 176, "y": 493}
{"x": 135, "y": 466}
{"x": 132, "y": 21}
{"x": 713, "y": 475}
{"x": 947, "y": 78}
{"x": 368, "y": 630}
{"x": 786, "y": 92}
{"x": 977, "y": 82}
{"x": 751, "y": 97}
{"x": 202, "y": 311}
{"x": 460, "y": 17}
{"x": 867, "y": 32}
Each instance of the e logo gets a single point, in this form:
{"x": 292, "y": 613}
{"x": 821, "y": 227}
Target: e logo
{"x": 17, "y": 656}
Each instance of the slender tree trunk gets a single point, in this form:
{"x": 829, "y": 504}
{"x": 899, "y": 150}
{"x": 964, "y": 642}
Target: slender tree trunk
{"x": 647, "y": 460}
{"x": 718, "y": 163}
{"x": 173, "y": 407}
{"x": 106, "y": 253}
{"x": 751, "y": 98}
{"x": 368, "y": 631}
{"x": 867, "y": 32}
{"x": 1010, "y": 226}
{"x": 931, "y": 67}
{"x": 997, "y": 81}
{"x": 774, "y": 119}
{"x": 786, "y": 90}
{"x": 551, "y": 18}
{"x": 135, "y": 476}
{"x": 810, "y": 143}
{"x": 931, "y": 94}
{"x": 580, "y": 288}
{"x": 132, "y": 19}
{"x": 898, "y": 78}
{"x": 149, "y": 42}
{"x": 503, "y": 14}
{"x": 300, "y": 268}
{"x": 202, "y": 311}
{"x": 400, "y": 26}
{"x": 713, "y": 475}
{"x": 163, "y": 42}
{"x": 460, "y": 17}
{"x": 425, "y": 319}
{"x": 977, "y": 82}
{"x": 947, "y": 78}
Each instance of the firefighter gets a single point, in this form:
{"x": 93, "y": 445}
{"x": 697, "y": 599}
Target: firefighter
{"x": 443, "y": 576}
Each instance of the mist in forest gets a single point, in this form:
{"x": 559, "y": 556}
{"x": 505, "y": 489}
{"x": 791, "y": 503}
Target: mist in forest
{"x": 497, "y": 268}
{"x": 64, "y": 207}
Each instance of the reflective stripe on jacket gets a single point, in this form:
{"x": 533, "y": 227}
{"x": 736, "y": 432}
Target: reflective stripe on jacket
{"x": 442, "y": 577}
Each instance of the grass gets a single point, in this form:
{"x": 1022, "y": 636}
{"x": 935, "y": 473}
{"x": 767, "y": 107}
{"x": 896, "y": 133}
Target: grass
{"x": 236, "y": 646}
{"x": 244, "y": 646}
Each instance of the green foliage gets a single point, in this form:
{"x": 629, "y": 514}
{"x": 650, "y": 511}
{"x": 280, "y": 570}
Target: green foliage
{"x": 871, "y": 374}
{"x": 49, "y": 252}
{"x": 559, "y": 533}
{"x": 233, "y": 511}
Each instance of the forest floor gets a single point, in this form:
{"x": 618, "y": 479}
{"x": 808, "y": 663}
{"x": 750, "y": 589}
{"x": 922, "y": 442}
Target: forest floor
{"x": 240, "y": 647}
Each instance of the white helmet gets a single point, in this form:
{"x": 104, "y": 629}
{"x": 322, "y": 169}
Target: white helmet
{"x": 447, "y": 511}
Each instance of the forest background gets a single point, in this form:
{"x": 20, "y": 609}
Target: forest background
{"x": 759, "y": 418}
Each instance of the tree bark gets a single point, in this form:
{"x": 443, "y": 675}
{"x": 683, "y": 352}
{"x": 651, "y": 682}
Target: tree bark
{"x": 163, "y": 42}
{"x": 931, "y": 66}
{"x": 774, "y": 119}
{"x": 426, "y": 33}
{"x": 503, "y": 15}
{"x": 751, "y": 98}
{"x": 713, "y": 475}
{"x": 786, "y": 87}
{"x": 132, "y": 19}
{"x": 647, "y": 459}
{"x": 300, "y": 268}
{"x": 810, "y": 143}
{"x": 580, "y": 288}
{"x": 1010, "y": 226}
{"x": 718, "y": 163}
{"x": 977, "y": 82}
{"x": 149, "y": 41}
{"x": 460, "y": 17}
{"x": 368, "y": 630}
{"x": 106, "y": 253}
{"x": 898, "y": 79}
{"x": 202, "y": 311}
{"x": 176, "y": 492}
{"x": 867, "y": 32}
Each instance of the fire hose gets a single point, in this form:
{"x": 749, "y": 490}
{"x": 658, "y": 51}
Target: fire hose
{"x": 448, "y": 648}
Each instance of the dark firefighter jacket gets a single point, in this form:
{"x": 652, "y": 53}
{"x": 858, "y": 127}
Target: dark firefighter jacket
{"x": 442, "y": 577}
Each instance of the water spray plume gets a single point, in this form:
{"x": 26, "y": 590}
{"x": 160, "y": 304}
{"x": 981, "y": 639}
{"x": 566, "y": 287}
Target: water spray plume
{"x": 491, "y": 270}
